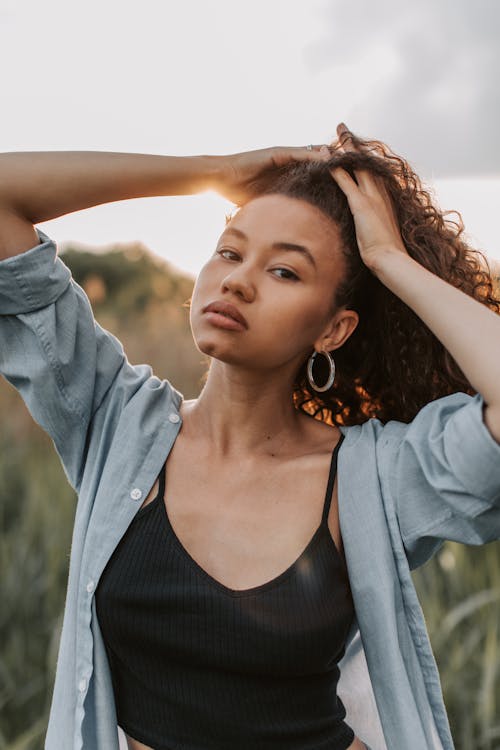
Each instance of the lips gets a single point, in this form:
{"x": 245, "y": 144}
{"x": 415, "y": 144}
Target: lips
{"x": 225, "y": 308}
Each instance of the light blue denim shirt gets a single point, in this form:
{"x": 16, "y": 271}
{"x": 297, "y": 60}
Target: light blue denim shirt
{"x": 403, "y": 489}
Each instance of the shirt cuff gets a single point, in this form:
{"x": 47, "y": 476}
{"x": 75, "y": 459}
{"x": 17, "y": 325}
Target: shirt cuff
{"x": 33, "y": 279}
{"x": 467, "y": 432}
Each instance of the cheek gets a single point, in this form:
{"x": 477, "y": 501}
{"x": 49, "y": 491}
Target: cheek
{"x": 205, "y": 290}
{"x": 198, "y": 300}
{"x": 305, "y": 319}
{"x": 201, "y": 290}
{"x": 291, "y": 330}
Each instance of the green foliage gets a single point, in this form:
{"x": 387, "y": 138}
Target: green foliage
{"x": 460, "y": 593}
{"x": 133, "y": 279}
{"x": 37, "y": 512}
{"x": 142, "y": 301}
{"x": 145, "y": 303}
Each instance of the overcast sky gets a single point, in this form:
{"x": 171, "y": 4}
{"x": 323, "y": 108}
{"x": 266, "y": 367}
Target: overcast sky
{"x": 437, "y": 96}
{"x": 193, "y": 77}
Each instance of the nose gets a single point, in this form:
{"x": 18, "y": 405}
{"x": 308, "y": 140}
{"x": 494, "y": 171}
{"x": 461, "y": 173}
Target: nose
{"x": 238, "y": 282}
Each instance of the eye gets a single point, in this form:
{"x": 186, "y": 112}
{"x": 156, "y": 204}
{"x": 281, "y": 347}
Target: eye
{"x": 223, "y": 250}
{"x": 292, "y": 276}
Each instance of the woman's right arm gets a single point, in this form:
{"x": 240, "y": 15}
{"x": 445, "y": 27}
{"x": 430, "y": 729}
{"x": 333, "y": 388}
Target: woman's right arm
{"x": 42, "y": 185}
{"x": 38, "y": 186}
{"x": 66, "y": 367}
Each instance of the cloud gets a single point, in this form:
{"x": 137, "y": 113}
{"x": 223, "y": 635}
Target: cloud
{"x": 437, "y": 96}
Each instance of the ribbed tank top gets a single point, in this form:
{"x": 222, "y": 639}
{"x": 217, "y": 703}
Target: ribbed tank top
{"x": 199, "y": 666}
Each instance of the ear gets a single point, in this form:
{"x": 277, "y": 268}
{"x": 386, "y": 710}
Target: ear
{"x": 338, "y": 330}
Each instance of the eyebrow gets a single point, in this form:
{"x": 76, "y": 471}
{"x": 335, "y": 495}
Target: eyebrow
{"x": 291, "y": 246}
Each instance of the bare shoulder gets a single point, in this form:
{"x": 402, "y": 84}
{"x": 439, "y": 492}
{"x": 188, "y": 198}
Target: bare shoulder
{"x": 319, "y": 437}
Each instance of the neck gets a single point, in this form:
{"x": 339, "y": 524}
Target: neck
{"x": 240, "y": 412}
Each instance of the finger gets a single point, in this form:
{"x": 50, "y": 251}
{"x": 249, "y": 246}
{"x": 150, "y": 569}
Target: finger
{"x": 280, "y": 156}
{"x": 314, "y": 146}
{"x": 314, "y": 152}
{"x": 346, "y": 184}
{"x": 366, "y": 181}
{"x": 371, "y": 184}
{"x": 345, "y": 137}
{"x": 317, "y": 152}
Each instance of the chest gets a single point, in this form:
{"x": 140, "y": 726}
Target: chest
{"x": 245, "y": 525}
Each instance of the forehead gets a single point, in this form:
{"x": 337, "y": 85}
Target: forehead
{"x": 271, "y": 218}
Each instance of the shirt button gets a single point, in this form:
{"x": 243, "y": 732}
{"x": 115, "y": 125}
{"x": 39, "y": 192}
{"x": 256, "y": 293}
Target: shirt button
{"x": 90, "y": 586}
{"x": 173, "y": 417}
{"x": 82, "y": 685}
{"x": 136, "y": 494}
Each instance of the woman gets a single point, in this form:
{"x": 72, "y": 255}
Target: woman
{"x": 262, "y": 600}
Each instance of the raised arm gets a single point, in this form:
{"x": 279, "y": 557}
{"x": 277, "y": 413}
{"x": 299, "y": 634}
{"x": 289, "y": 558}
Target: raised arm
{"x": 38, "y": 186}
{"x": 469, "y": 330}
{"x": 439, "y": 473}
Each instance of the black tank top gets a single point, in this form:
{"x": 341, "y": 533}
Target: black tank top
{"x": 199, "y": 666}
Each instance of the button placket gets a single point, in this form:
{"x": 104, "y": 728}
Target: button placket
{"x": 136, "y": 493}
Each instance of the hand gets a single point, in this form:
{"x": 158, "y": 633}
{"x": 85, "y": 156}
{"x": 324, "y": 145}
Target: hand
{"x": 237, "y": 172}
{"x": 377, "y": 229}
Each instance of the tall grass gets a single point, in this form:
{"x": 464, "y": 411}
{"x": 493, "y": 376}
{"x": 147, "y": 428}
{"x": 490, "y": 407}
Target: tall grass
{"x": 460, "y": 594}
{"x": 37, "y": 510}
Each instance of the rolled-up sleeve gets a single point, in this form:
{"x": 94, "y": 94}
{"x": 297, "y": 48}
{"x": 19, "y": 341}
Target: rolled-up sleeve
{"x": 53, "y": 351}
{"x": 441, "y": 475}
{"x": 33, "y": 279}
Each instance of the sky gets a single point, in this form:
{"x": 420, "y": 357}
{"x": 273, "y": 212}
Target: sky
{"x": 220, "y": 77}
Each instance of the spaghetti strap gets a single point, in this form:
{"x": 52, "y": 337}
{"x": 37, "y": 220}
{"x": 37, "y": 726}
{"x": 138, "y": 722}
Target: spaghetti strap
{"x": 159, "y": 495}
{"x": 331, "y": 480}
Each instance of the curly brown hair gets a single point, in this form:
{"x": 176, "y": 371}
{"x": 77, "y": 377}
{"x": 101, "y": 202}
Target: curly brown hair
{"x": 392, "y": 364}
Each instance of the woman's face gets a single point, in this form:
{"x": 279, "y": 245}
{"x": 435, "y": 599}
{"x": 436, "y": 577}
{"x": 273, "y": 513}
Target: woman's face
{"x": 285, "y": 294}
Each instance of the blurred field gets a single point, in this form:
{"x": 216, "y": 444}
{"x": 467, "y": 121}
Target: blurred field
{"x": 140, "y": 299}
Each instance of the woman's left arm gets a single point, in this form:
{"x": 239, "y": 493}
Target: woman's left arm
{"x": 469, "y": 330}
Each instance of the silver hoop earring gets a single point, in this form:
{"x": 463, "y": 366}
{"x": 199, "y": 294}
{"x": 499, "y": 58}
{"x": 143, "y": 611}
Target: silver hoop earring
{"x": 331, "y": 376}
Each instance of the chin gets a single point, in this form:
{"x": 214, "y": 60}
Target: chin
{"x": 215, "y": 342}
{"x": 222, "y": 350}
